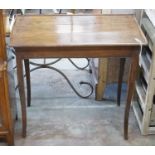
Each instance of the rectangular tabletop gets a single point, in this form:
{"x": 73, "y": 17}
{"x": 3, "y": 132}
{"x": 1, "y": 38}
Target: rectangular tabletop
{"x": 75, "y": 30}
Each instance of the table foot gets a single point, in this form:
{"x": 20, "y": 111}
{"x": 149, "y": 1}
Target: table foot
{"x": 131, "y": 86}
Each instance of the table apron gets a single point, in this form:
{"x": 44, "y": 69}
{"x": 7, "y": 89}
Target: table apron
{"x": 27, "y": 53}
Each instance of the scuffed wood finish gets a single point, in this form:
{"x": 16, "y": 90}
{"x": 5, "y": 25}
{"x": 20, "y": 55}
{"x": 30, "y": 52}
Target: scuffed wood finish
{"x": 53, "y": 31}
{"x": 76, "y": 37}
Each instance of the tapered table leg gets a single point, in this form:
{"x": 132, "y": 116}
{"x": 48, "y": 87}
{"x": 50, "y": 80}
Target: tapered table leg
{"x": 28, "y": 81}
{"x": 131, "y": 86}
{"x": 20, "y": 76}
{"x": 120, "y": 79}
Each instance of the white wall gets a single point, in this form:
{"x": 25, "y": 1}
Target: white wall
{"x": 118, "y": 11}
{"x": 123, "y": 11}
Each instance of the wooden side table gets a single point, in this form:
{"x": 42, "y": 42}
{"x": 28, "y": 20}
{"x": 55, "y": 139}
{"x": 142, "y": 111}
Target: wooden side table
{"x": 77, "y": 37}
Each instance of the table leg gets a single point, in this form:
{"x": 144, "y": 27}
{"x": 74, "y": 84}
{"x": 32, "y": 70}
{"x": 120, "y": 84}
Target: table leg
{"x": 131, "y": 86}
{"x": 10, "y": 139}
{"x": 102, "y": 78}
{"x": 120, "y": 79}
{"x": 28, "y": 81}
{"x": 20, "y": 76}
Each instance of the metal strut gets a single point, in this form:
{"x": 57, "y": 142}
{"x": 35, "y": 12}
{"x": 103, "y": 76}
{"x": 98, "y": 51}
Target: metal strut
{"x": 47, "y": 65}
{"x": 80, "y": 68}
{"x": 70, "y": 60}
{"x": 71, "y": 85}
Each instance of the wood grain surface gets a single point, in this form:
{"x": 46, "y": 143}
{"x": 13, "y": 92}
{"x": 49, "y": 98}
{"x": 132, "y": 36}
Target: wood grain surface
{"x": 75, "y": 30}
